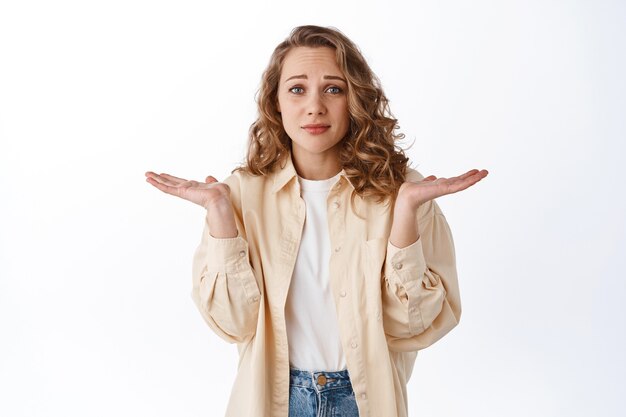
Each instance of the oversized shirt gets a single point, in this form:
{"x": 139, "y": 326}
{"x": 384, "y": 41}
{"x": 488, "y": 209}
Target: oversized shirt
{"x": 390, "y": 302}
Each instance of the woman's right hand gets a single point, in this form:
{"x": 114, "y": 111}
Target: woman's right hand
{"x": 214, "y": 196}
{"x": 205, "y": 194}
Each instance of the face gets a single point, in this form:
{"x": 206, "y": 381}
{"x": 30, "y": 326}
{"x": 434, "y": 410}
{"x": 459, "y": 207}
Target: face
{"x": 312, "y": 100}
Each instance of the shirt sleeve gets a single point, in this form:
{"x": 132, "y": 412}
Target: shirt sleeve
{"x": 420, "y": 292}
{"x": 225, "y": 287}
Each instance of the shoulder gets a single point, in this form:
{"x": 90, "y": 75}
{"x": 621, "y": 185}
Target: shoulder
{"x": 413, "y": 175}
{"x": 246, "y": 187}
{"x": 240, "y": 179}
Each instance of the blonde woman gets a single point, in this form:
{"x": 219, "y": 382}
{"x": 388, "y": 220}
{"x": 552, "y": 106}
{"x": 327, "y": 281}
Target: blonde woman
{"x": 324, "y": 257}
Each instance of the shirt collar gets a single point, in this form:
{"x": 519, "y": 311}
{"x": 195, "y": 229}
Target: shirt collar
{"x": 283, "y": 175}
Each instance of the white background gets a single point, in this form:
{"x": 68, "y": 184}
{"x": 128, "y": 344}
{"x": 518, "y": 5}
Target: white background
{"x": 96, "y": 317}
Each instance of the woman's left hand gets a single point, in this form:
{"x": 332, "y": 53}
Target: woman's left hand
{"x": 414, "y": 194}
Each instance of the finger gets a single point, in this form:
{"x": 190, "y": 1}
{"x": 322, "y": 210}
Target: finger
{"x": 163, "y": 187}
{"x": 476, "y": 175}
{"x": 468, "y": 174}
{"x": 156, "y": 177}
{"x": 430, "y": 178}
{"x": 150, "y": 174}
{"x": 164, "y": 178}
{"x": 210, "y": 179}
{"x": 188, "y": 184}
{"x": 173, "y": 179}
{"x": 467, "y": 180}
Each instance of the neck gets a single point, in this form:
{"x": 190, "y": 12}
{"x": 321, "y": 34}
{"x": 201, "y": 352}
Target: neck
{"x": 318, "y": 167}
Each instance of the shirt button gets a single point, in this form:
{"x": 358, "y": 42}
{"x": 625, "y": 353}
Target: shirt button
{"x": 336, "y": 204}
{"x": 354, "y": 345}
{"x": 342, "y": 293}
{"x": 363, "y": 395}
{"x": 338, "y": 248}
{"x": 255, "y": 298}
{"x": 398, "y": 266}
{"x": 242, "y": 253}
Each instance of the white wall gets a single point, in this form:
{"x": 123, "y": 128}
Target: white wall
{"x": 95, "y": 311}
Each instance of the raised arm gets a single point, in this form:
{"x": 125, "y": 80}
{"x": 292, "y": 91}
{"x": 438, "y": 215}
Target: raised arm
{"x": 421, "y": 301}
{"x": 214, "y": 196}
{"x": 225, "y": 286}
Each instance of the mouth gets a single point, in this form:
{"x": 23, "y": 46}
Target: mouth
{"x": 316, "y": 129}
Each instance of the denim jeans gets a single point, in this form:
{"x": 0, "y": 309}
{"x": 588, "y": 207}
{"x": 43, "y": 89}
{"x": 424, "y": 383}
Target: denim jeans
{"x": 321, "y": 394}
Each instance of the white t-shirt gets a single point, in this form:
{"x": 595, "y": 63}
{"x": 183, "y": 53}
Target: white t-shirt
{"x": 310, "y": 312}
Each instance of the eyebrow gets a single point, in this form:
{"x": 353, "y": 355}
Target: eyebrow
{"x": 326, "y": 77}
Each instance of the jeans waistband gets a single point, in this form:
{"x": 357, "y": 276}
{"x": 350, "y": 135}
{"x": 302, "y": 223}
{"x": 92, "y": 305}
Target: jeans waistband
{"x": 320, "y": 380}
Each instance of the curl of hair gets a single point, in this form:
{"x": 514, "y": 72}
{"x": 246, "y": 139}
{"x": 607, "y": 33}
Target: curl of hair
{"x": 373, "y": 162}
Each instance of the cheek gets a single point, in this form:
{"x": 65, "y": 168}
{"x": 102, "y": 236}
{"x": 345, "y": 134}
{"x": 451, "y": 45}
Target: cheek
{"x": 342, "y": 108}
{"x": 288, "y": 119}
{"x": 345, "y": 115}
{"x": 284, "y": 106}
{"x": 291, "y": 114}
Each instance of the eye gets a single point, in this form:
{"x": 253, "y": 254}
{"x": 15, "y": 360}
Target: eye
{"x": 334, "y": 90}
{"x": 296, "y": 90}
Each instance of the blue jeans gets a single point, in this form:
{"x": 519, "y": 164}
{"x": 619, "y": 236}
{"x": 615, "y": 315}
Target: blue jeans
{"x": 321, "y": 394}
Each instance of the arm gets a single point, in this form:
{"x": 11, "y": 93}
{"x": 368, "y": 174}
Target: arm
{"x": 225, "y": 287}
{"x": 421, "y": 301}
{"x": 420, "y": 291}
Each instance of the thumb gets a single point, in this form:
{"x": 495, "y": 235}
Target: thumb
{"x": 430, "y": 178}
{"x": 210, "y": 179}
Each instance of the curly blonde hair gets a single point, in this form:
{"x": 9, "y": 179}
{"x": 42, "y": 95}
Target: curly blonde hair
{"x": 373, "y": 162}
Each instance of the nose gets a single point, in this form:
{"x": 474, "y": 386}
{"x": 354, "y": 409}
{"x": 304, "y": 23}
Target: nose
{"x": 316, "y": 104}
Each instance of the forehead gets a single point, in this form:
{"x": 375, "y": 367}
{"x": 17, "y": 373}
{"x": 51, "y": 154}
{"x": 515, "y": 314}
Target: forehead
{"x": 307, "y": 60}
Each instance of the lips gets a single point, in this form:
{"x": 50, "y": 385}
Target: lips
{"x": 316, "y": 129}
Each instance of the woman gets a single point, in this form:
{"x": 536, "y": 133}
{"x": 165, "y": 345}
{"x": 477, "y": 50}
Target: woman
{"x": 324, "y": 257}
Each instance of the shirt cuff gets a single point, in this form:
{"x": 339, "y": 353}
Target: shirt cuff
{"x": 410, "y": 258}
{"x": 228, "y": 254}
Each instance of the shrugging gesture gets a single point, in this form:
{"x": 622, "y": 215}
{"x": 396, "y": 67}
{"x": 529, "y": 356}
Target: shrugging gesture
{"x": 411, "y": 195}
{"x": 211, "y": 194}
{"x": 431, "y": 187}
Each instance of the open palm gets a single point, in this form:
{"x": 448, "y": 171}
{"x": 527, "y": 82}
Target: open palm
{"x": 431, "y": 187}
{"x": 205, "y": 194}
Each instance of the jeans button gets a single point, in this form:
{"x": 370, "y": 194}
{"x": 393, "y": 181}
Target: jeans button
{"x": 321, "y": 380}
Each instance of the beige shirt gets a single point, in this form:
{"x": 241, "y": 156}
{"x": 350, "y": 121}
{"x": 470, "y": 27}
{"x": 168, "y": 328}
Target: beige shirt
{"x": 390, "y": 302}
